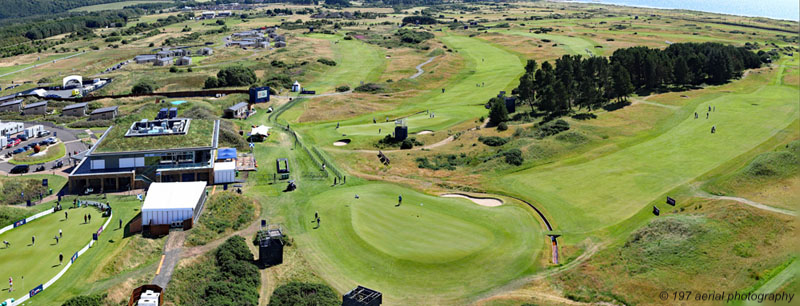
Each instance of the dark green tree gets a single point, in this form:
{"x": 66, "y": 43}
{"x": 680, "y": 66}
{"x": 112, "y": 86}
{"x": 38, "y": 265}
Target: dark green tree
{"x": 621, "y": 82}
{"x": 143, "y": 87}
{"x": 236, "y": 76}
{"x": 498, "y": 112}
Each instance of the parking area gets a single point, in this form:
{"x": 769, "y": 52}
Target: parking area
{"x": 68, "y": 136}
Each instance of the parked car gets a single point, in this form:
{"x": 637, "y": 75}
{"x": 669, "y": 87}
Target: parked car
{"x": 58, "y": 164}
{"x": 52, "y": 140}
{"x": 18, "y": 150}
{"x": 20, "y": 169}
{"x": 44, "y": 142}
{"x": 39, "y": 167}
{"x": 17, "y": 142}
{"x": 44, "y": 133}
{"x": 22, "y": 137}
{"x": 10, "y": 144}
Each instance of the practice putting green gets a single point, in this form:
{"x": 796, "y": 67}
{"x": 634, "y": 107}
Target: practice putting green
{"x": 596, "y": 194}
{"x": 428, "y": 246}
{"x": 39, "y": 263}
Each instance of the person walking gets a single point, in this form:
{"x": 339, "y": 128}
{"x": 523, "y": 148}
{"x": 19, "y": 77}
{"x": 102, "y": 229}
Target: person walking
{"x": 33, "y": 240}
{"x": 60, "y": 258}
{"x": 10, "y": 284}
{"x": 56, "y": 237}
{"x": 695, "y": 115}
{"x": 6, "y": 243}
{"x": 60, "y": 234}
{"x": 90, "y": 218}
{"x": 706, "y": 115}
{"x": 399, "y": 200}
{"x": 84, "y": 219}
{"x": 120, "y": 223}
{"x": 66, "y": 215}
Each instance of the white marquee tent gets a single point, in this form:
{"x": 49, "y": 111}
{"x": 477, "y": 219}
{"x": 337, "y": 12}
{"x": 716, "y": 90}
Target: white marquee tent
{"x": 168, "y": 203}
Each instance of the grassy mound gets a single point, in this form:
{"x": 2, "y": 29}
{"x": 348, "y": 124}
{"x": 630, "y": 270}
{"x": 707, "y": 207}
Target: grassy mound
{"x": 19, "y": 189}
{"x": 224, "y": 212}
{"x": 664, "y": 242}
{"x": 53, "y": 152}
{"x": 776, "y": 164}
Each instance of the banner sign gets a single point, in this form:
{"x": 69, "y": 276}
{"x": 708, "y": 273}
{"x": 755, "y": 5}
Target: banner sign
{"x": 20, "y": 223}
{"x": 259, "y": 94}
{"x": 36, "y": 290}
{"x": 670, "y": 201}
{"x": 74, "y": 257}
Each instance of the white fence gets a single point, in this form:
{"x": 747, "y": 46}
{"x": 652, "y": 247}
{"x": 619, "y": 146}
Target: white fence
{"x": 28, "y": 219}
{"x": 69, "y": 263}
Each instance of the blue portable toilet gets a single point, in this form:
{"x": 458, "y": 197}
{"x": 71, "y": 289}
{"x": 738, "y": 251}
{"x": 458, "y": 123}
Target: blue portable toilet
{"x": 162, "y": 113}
{"x": 173, "y": 112}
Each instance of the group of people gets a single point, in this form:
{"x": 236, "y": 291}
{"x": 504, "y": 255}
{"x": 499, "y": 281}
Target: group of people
{"x": 711, "y": 108}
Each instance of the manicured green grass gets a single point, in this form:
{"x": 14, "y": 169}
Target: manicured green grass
{"x": 490, "y": 65}
{"x": 53, "y": 152}
{"x": 594, "y": 194}
{"x": 356, "y": 61}
{"x": 39, "y": 262}
{"x": 428, "y": 246}
{"x": 86, "y": 274}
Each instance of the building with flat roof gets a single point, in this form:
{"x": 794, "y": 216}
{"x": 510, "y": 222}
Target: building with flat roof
{"x": 172, "y": 203}
{"x": 76, "y": 110}
{"x": 11, "y": 106}
{"x": 104, "y": 113}
{"x": 135, "y": 154}
{"x": 38, "y": 108}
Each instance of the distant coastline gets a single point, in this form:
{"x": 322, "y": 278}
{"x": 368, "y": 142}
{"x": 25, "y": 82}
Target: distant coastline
{"x": 777, "y": 9}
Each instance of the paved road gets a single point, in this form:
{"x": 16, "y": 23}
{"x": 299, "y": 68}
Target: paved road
{"x": 172, "y": 253}
{"x": 68, "y": 136}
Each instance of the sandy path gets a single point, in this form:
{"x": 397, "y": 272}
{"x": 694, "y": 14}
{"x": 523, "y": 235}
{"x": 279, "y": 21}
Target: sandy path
{"x": 748, "y": 202}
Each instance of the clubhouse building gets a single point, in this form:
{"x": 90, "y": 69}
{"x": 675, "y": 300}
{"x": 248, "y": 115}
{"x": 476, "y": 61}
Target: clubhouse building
{"x": 143, "y": 152}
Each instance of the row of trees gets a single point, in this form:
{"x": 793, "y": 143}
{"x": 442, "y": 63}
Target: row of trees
{"x": 232, "y": 76}
{"x": 590, "y": 83}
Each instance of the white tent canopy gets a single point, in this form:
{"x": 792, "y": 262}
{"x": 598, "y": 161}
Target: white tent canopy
{"x": 262, "y": 130}
{"x": 167, "y": 203}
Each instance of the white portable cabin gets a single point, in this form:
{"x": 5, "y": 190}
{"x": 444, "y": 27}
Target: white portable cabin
{"x": 3, "y": 141}
{"x": 224, "y": 172}
{"x": 170, "y": 203}
{"x": 11, "y": 128}
{"x": 33, "y": 131}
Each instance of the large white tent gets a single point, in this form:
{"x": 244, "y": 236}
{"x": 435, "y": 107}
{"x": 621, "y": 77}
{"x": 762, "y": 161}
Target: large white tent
{"x": 169, "y": 203}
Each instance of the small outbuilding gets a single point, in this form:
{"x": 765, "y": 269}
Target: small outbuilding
{"x": 76, "y": 110}
{"x": 11, "y": 106}
{"x": 206, "y": 51}
{"x": 239, "y": 110}
{"x": 296, "y": 86}
{"x": 173, "y": 203}
{"x": 145, "y": 58}
{"x": 362, "y": 296}
{"x": 105, "y": 113}
{"x": 224, "y": 172}
{"x": 38, "y": 108}
{"x": 163, "y": 61}
{"x": 184, "y": 61}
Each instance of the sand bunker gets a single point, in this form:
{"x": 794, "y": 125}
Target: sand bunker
{"x": 424, "y": 132}
{"x": 491, "y": 202}
{"x": 341, "y": 142}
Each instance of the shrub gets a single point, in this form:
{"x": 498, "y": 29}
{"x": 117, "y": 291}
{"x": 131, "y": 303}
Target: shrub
{"x": 370, "y": 88}
{"x": 83, "y": 124}
{"x": 443, "y": 161}
{"x": 211, "y": 82}
{"x": 406, "y": 144}
{"x": 173, "y": 69}
{"x": 348, "y": 37}
{"x": 502, "y": 126}
{"x": 297, "y": 293}
{"x": 493, "y": 141}
{"x": 236, "y": 76}
{"x": 419, "y": 20}
{"x": 551, "y": 128}
{"x": 143, "y": 87}
{"x": 342, "y": 88}
{"x": 413, "y": 37}
{"x": 85, "y": 300}
{"x": 513, "y": 157}
{"x": 326, "y": 61}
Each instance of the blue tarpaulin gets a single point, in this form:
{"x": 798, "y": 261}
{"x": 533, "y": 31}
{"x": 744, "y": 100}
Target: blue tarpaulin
{"x": 226, "y": 153}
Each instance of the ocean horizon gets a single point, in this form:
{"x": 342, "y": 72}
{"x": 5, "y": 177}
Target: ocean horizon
{"x": 774, "y": 9}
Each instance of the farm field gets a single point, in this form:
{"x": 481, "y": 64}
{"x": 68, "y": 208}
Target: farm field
{"x": 112, "y": 6}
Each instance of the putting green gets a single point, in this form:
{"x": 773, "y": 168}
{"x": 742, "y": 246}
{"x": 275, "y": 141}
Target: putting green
{"x": 595, "y": 194}
{"x": 426, "y": 246}
{"x": 39, "y": 263}
{"x": 573, "y": 45}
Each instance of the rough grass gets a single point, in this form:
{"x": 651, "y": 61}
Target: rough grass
{"x": 223, "y": 213}
{"x": 15, "y": 190}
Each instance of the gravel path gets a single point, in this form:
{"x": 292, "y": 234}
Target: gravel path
{"x": 419, "y": 68}
{"x": 172, "y": 253}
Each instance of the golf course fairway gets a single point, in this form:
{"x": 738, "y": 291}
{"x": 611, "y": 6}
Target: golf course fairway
{"x": 596, "y": 194}
{"x": 356, "y": 61}
{"x": 427, "y": 246}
